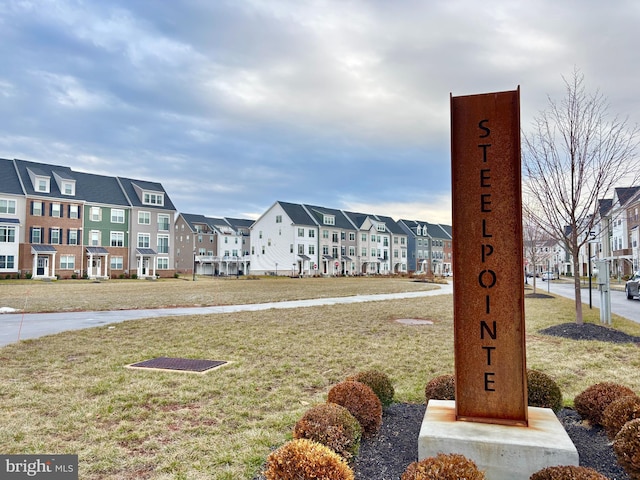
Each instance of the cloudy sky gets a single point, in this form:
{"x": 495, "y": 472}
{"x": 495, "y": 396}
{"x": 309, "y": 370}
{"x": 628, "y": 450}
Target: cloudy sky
{"x": 234, "y": 104}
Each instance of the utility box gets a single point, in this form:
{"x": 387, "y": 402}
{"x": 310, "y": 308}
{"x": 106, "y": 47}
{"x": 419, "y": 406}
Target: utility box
{"x": 605, "y": 291}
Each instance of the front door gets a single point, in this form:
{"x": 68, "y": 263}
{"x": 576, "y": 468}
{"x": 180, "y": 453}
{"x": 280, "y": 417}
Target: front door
{"x": 43, "y": 266}
{"x": 96, "y": 266}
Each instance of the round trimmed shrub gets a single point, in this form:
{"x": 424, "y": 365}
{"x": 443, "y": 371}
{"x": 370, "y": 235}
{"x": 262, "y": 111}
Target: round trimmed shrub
{"x": 627, "y": 448}
{"x": 443, "y": 467}
{"x": 569, "y": 472}
{"x": 543, "y": 391}
{"x": 362, "y": 403}
{"x": 590, "y": 404}
{"x": 303, "y": 459}
{"x": 332, "y": 425}
{"x": 441, "y": 388}
{"x": 619, "y": 412}
{"x": 379, "y": 382}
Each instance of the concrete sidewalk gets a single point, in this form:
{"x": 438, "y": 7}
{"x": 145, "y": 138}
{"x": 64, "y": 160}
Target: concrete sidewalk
{"x": 18, "y": 326}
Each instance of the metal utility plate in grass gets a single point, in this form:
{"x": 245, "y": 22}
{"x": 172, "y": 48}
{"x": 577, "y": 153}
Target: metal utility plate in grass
{"x": 179, "y": 364}
{"x": 414, "y": 321}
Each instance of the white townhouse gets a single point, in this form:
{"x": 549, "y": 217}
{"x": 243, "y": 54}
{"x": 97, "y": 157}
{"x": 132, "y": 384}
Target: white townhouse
{"x": 12, "y": 218}
{"x": 284, "y": 241}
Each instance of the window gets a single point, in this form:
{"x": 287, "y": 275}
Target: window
{"x": 364, "y": 237}
{"x": 364, "y": 251}
{"x": 163, "y": 222}
{"x": 36, "y": 209}
{"x": 352, "y": 251}
{"x": 72, "y": 237}
{"x": 7, "y": 206}
{"x": 56, "y": 210}
{"x": 42, "y": 185}
{"x": 95, "y": 214}
{"x": 403, "y": 240}
{"x": 334, "y": 237}
{"x": 116, "y": 263}
{"x": 36, "y": 235}
{"x": 278, "y": 218}
{"x": 68, "y": 188}
{"x": 291, "y": 248}
{"x": 163, "y": 243}
{"x": 94, "y": 238}
{"x": 7, "y": 234}
{"x": 300, "y": 232}
{"x": 117, "y": 239}
{"x": 153, "y": 199}
{"x": 325, "y": 249}
{"x": 144, "y": 218}
{"x": 329, "y": 220}
{"x": 117, "y": 215}
{"x": 312, "y": 249}
{"x": 352, "y": 236}
{"x": 163, "y": 263}
{"x": 7, "y": 261}
{"x": 343, "y": 236}
{"x": 325, "y": 233}
{"x": 380, "y": 227}
{"x": 312, "y": 233}
{"x": 144, "y": 240}
{"x": 54, "y": 236}
{"x": 67, "y": 262}
{"x": 74, "y": 211}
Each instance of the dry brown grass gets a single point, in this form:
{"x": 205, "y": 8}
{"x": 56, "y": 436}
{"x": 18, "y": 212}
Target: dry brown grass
{"x": 69, "y": 295}
{"x": 70, "y": 393}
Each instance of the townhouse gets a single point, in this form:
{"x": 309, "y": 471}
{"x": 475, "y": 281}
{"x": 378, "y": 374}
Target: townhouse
{"x": 301, "y": 239}
{"x": 211, "y": 246}
{"x": 61, "y": 223}
{"x": 430, "y": 248}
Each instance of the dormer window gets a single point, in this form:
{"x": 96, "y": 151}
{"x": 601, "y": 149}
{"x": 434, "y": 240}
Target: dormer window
{"x": 381, "y": 227}
{"x": 68, "y": 188}
{"x": 149, "y": 198}
{"x": 329, "y": 220}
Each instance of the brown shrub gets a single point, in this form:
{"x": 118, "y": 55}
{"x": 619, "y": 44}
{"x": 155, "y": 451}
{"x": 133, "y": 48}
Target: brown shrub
{"x": 627, "y": 448}
{"x": 590, "y": 404}
{"x": 569, "y": 472}
{"x": 361, "y": 401}
{"x": 379, "y": 382}
{"x": 619, "y": 412}
{"x": 304, "y": 459}
{"x": 441, "y": 388}
{"x": 443, "y": 467}
{"x": 332, "y": 425}
{"x": 543, "y": 391}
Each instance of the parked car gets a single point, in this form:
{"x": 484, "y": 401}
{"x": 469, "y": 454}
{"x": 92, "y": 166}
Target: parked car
{"x": 631, "y": 287}
{"x": 550, "y": 276}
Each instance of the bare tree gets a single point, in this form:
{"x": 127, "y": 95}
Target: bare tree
{"x": 575, "y": 155}
{"x": 533, "y": 238}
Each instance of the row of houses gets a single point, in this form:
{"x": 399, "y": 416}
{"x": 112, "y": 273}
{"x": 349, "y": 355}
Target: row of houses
{"x": 57, "y": 222}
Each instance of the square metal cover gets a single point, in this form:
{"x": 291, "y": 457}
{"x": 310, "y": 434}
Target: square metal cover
{"x": 179, "y": 364}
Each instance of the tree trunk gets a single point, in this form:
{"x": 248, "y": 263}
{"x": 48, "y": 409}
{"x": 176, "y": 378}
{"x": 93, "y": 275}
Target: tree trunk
{"x": 576, "y": 284}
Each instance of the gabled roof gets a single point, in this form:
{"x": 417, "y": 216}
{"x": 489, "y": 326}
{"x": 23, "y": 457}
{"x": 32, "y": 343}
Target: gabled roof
{"x": 42, "y": 169}
{"x": 239, "y": 222}
{"x": 358, "y": 219}
{"x": 9, "y": 180}
{"x": 99, "y": 189}
{"x": 391, "y": 224}
{"x": 297, "y": 214}
{"x": 436, "y": 231}
{"x": 625, "y": 194}
{"x": 341, "y": 221}
{"x": 129, "y": 184}
{"x": 604, "y": 206}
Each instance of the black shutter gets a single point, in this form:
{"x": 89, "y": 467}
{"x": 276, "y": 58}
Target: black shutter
{"x": 31, "y": 229}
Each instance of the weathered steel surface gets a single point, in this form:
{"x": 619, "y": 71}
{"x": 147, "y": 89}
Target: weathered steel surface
{"x": 488, "y": 271}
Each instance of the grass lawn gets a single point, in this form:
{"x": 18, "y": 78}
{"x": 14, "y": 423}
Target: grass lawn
{"x": 70, "y": 393}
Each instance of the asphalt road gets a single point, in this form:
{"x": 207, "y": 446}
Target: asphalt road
{"x": 619, "y": 304}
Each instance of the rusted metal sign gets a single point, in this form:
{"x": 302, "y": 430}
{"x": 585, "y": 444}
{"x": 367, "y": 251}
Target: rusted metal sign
{"x": 490, "y": 357}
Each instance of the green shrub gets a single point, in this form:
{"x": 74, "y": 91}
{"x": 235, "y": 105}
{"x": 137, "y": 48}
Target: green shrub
{"x": 619, "y": 412}
{"x": 569, "y": 472}
{"x": 443, "y": 467}
{"x": 627, "y": 448}
{"x": 544, "y": 392}
{"x": 332, "y": 425}
{"x": 590, "y": 403}
{"x": 379, "y": 382}
{"x": 362, "y": 403}
{"x": 303, "y": 459}
{"x": 441, "y": 388}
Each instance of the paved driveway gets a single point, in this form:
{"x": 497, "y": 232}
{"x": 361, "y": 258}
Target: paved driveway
{"x": 16, "y": 326}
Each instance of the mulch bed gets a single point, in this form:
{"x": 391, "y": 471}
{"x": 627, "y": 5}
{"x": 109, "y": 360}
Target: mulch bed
{"x": 386, "y": 455}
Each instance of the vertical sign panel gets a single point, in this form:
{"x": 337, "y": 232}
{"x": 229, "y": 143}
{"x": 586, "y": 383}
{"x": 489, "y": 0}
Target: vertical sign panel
{"x": 488, "y": 269}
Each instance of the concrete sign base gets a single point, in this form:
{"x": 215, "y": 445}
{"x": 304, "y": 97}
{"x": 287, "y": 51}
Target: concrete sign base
{"x": 502, "y": 452}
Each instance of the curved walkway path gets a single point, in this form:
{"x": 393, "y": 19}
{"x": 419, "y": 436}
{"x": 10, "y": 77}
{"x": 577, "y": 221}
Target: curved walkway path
{"x": 18, "y": 326}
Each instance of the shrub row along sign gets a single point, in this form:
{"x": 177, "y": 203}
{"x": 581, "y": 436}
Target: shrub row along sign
{"x": 487, "y": 244}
